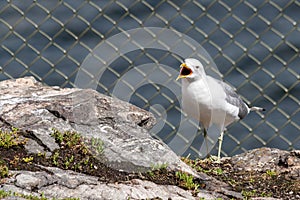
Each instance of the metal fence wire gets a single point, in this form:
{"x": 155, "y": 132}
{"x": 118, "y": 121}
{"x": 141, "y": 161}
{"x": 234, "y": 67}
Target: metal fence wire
{"x": 255, "y": 45}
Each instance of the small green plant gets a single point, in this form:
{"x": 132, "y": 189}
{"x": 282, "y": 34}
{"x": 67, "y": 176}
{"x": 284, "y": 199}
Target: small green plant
{"x": 4, "y": 194}
{"x": 55, "y": 158}
{"x": 70, "y": 139}
{"x": 232, "y": 182}
{"x": 59, "y": 136}
{"x": 3, "y": 170}
{"x": 28, "y": 159}
{"x": 162, "y": 166}
{"x": 42, "y": 154}
{"x": 151, "y": 173}
{"x": 271, "y": 173}
{"x": 97, "y": 144}
{"x": 156, "y": 168}
{"x": 265, "y": 194}
{"x": 187, "y": 180}
{"x": 86, "y": 161}
{"x": 189, "y": 161}
{"x": 92, "y": 166}
{"x": 74, "y": 153}
{"x": 69, "y": 161}
{"x": 10, "y": 139}
{"x": 77, "y": 166}
{"x": 251, "y": 180}
{"x": 218, "y": 171}
{"x": 248, "y": 194}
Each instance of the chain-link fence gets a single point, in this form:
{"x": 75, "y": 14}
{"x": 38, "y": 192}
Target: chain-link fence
{"x": 255, "y": 45}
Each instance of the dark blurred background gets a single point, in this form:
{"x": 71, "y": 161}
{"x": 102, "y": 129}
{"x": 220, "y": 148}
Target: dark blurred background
{"x": 255, "y": 45}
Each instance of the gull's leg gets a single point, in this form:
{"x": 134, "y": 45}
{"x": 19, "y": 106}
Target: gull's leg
{"x": 205, "y": 138}
{"x": 220, "y": 145}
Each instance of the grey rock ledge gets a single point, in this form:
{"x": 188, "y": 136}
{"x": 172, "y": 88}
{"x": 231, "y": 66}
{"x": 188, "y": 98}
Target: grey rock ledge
{"x": 29, "y": 105}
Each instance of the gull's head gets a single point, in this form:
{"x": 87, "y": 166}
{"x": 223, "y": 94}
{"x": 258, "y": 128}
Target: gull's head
{"x": 191, "y": 69}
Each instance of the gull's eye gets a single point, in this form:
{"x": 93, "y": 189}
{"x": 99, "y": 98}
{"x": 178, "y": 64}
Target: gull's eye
{"x": 197, "y": 67}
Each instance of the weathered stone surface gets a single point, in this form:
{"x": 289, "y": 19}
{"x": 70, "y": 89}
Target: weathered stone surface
{"x": 264, "y": 159}
{"x": 259, "y": 159}
{"x": 64, "y": 184}
{"x": 128, "y": 146}
{"x": 28, "y": 105}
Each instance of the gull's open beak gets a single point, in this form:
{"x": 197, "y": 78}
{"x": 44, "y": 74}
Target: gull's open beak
{"x": 185, "y": 71}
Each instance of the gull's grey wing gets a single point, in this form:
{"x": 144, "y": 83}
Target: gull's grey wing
{"x": 234, "y": 99}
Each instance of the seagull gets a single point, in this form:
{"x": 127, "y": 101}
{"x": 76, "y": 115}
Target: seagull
{"x": 209, "y": 100}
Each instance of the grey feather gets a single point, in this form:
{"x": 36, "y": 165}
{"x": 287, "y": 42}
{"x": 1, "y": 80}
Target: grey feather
{"x": 234, "y": 99}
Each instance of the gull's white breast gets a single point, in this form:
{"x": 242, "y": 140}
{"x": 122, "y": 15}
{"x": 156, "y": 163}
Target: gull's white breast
{"x": 205, "y": 100}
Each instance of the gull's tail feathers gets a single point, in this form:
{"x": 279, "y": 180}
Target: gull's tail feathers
{"x": 255, "y": 108}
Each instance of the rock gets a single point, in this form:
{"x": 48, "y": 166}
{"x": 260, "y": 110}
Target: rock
{"x": 31, "y": 106}
{"x": 261, "y": 159}
{"x": 291, "y": 159}
{"x": 27, "y": 181}
{"x": 128, "y": 147}
{"x": 264, "y": 159}
{"x": 281, "y": 167}
{"x": 66, "y": 184}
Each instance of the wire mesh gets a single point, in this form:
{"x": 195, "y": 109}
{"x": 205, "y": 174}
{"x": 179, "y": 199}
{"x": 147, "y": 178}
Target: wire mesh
{"x": 255, "y": 45}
